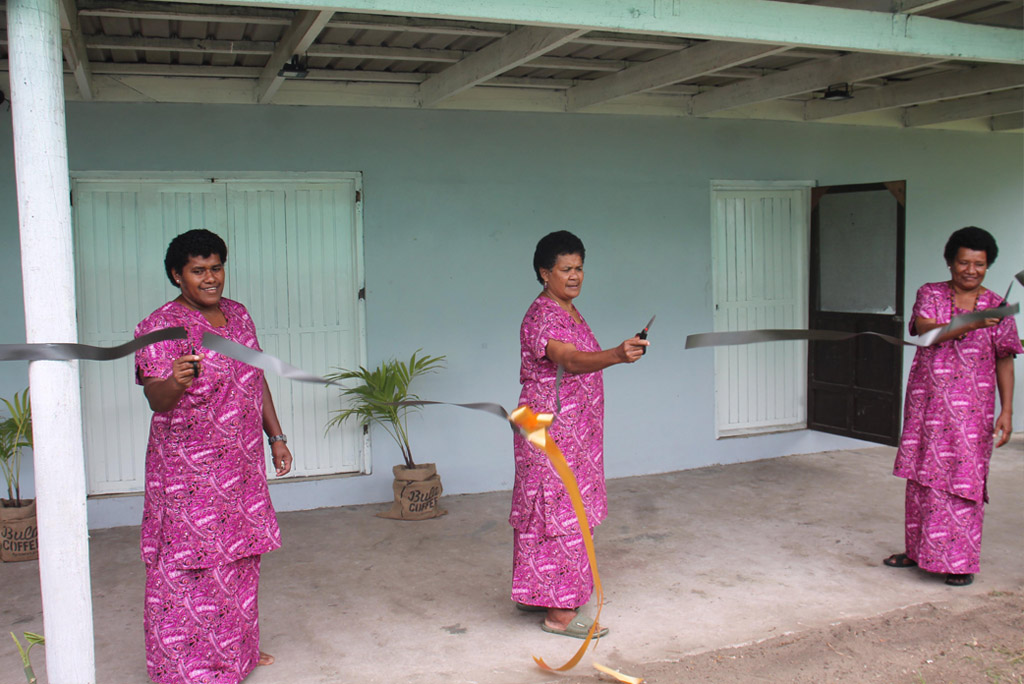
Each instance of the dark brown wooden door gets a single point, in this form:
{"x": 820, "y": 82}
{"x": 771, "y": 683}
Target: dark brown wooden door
{"x": 857, "y": 237}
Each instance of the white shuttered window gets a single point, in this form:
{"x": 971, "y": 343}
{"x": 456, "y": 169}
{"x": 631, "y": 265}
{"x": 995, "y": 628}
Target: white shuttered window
{"x": 294, "y": 260}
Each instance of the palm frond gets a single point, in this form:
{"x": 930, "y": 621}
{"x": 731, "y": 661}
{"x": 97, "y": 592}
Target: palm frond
{"x": 377, "y": 396}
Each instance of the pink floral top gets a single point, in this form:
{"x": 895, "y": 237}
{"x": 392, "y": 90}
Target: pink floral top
{"x": 539, "y": 501}
{"x": 206, "y": 499}
{"x": 949, "y": 411}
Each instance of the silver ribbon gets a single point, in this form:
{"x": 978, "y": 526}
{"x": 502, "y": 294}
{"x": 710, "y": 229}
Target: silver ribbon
{"x": 68, "y": 351}
{"x": 721, "y": 339}
{"x": 272, "y": 364}
{"x": 263, "y": 360}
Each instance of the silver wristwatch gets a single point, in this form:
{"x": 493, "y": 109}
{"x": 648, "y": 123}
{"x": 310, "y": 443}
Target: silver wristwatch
{"x": 277, "y": 438}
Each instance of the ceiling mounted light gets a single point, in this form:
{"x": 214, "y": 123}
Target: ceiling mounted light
{"x": 294, "y": 69}
{"x": 838, "y": 91}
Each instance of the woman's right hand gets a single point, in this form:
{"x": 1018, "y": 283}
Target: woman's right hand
{"x": 632, "y": 349}
{"x": 183, "y": 369}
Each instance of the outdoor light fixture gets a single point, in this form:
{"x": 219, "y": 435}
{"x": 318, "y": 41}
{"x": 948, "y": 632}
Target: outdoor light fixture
{"x": 294, "y": 69}
{"x": 838, "y": 91}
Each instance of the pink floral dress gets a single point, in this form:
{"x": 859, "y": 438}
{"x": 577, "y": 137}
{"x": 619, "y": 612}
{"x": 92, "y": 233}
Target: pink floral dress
{"x": 207, "y": 515}
{"x": 946, "y": 443}
{"x": 550, "y": 566}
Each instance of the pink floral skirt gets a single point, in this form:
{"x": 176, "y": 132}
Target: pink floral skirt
{"x": 550, "y": 571}
{"x": 943, "y": 531}
{"x": 202, "y": 626}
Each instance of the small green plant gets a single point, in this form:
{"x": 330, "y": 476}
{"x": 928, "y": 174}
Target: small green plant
{"x": 32, "y": 640}
{"x": 379, "y": 395}
{"x": 15, "y": 436}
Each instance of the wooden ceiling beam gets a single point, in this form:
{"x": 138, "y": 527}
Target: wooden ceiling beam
{"x": 1007, "y": 122}
{"x": 515, "y": 49}
{"x": 296, "y": 40}
{"x": 803, "y": 79}
{"x": 679, "y": 66}
{"x": 175, "y": 11}
{"x": 944, "y": 86}
{"x": 739, "y": 21}
{"x": 73, "y": 46}
{"x": 993, "y": 104}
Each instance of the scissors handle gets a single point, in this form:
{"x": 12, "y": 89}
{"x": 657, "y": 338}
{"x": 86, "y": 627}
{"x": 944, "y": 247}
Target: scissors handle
{"x": 195, "y": 366}
{"x": 643, "y": 336}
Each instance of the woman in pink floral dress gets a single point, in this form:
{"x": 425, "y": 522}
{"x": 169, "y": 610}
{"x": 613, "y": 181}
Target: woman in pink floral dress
{"x": 949, "y": 421}
{"x": 550, "y": 571}
{"x": 207, "y": 515}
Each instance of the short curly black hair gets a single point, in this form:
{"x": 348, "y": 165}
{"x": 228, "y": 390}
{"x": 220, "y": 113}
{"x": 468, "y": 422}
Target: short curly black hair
{"x": 973, "y": 238}
{"x": 554, "y": 245}
{"x": 194, "y": 243}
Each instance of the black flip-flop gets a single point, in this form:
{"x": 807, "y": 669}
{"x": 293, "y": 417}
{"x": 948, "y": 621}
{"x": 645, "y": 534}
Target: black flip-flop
{"x": 900, "y": 560}
{"x": 955, "y": 580}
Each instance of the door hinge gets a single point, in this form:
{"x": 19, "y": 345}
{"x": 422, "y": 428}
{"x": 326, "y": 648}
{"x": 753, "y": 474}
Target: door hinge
{"x": 72, "y": 194}
{"x": 359, "y": 195}
{"x": 362, "y": 292}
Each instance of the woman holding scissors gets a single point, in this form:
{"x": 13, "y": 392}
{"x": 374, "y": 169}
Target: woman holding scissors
{"x": 207, "y": 516}
{"x": 949, "y": 422}
{"x": 551, "y": 572}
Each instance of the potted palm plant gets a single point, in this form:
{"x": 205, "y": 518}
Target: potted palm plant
{"x": 18, "y": 532}
{"x": 379, "y": 398}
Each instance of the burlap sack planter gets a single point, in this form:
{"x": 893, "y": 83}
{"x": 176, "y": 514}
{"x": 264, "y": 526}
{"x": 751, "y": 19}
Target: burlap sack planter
{"x": 19, "y": 536}
{"x": 417, "y": 492}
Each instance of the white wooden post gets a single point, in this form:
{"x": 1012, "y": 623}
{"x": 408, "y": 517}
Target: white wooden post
{"x": 44, "y": 217}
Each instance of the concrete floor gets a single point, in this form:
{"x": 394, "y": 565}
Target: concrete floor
{"x": 691, "y": 561}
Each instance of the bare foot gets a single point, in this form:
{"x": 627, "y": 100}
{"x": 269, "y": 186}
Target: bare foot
{"x": 559, "y": 618}
{"x": 265, "y": 659}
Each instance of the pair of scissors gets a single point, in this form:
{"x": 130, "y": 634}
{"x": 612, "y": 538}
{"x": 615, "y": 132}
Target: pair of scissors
{"x": 643, "y": 333}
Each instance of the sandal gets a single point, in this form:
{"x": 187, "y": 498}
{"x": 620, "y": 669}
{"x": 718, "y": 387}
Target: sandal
{"x": 265, "y": 659}
{"x": 578, "y": 628}
{"x": 955, "y": 580}
{"x": 900, "y": 560}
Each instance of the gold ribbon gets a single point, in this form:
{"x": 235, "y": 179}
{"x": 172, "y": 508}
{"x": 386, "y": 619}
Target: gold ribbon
{"x": 534, "y": 427}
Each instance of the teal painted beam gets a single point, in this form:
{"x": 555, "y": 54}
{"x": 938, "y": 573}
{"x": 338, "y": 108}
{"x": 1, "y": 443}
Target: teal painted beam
{"x": 745, "y": 21}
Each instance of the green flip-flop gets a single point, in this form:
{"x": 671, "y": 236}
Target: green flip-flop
{"x": 577, "y": 628}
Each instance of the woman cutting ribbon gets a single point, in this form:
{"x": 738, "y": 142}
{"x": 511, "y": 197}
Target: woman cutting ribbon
{"x": 949, "y": 413}
{"x": 550, "y": 567}
{"x": 207, "y": 515}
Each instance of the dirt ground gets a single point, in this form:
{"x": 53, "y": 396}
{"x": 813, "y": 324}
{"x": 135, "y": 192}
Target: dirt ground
{"x": 974, "y": 640}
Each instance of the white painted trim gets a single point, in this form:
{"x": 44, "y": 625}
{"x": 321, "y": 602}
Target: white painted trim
{"x": 763, "y": 185}
{"x": 158, "y": 177}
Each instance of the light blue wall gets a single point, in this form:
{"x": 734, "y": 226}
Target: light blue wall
{"x": 454, "y": 203}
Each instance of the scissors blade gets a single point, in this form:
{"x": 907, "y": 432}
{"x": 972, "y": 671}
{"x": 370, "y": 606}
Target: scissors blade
{"x": 648, "y": 326}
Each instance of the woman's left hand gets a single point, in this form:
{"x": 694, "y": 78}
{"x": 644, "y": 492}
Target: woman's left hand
{"x": 282, "y": 458}
{"x": 1003, "y": 428}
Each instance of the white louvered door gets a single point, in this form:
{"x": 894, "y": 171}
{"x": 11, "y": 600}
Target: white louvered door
{"x": 294, "y": 260}
{"x": 295, "y": 266}
{"x": 759, "y": 274}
